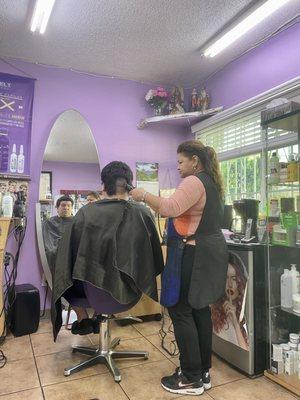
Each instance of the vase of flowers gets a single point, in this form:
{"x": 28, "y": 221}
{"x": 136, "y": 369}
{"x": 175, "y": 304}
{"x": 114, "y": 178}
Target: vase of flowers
{"x": 157, "y": 98}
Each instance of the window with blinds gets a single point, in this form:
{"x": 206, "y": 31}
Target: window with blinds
{"x": 239, "y": 143}
{"x": 243, "y": 136}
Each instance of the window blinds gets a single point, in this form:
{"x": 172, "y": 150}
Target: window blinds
{"x": 242, "y": 136}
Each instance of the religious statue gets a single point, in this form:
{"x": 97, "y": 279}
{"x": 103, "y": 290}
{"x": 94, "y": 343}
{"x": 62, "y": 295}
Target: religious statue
{"x": 203, "y": 100}
{"x": 194, "y": 100}
{"x": 176, "y": 101}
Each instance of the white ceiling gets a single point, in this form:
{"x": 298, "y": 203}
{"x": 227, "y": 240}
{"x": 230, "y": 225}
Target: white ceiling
{"x": 71, "y": 140}
{"x": 144, "y": 40}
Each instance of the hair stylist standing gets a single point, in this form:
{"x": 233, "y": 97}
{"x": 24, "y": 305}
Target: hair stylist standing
{"x": 196, "y": 268}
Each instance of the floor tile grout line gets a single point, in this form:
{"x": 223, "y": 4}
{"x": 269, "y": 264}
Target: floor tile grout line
{"x": 123, "y": 390}
{"x": 76, "y": 379}
{"x": 228, "y": 383}
{"x": 209, "y": 395}
{"x": 18, "y": 391}
{"x": 37, "y": 370}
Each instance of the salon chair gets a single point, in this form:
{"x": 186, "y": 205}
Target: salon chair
{"x": 105, "y": 307}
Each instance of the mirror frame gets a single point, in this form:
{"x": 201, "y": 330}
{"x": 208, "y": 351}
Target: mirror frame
{"x": 47, "y": 276}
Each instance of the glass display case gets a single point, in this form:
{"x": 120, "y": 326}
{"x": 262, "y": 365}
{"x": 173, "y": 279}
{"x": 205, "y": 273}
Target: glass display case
{"x": 281, "y": 129}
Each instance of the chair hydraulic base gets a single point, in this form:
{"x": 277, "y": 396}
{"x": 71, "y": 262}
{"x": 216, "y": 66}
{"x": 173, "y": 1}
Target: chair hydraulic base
{"x": 104, "y": 353}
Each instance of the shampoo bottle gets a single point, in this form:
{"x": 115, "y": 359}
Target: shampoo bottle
{"x": 295, "y": 279}
{"x": 13, "y": 160}
{"x": 274, "y": 169}
{"x": 286, "y": 287}
{"x": 21, "y": 160}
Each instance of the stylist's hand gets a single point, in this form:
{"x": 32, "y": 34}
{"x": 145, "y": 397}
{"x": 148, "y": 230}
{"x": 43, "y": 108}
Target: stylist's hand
{"x": 137, "y": 194}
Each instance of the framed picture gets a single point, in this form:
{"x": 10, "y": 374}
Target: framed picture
{"x": 45, "y": 185}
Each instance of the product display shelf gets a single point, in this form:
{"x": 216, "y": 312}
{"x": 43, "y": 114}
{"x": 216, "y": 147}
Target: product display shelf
{"x": 290, "y": 311}
{"x": 282, "y": 367}
{"x": 289, "y": 382}
{"x": 184, "y": 119}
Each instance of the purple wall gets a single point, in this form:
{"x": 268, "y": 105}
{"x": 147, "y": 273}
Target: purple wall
{"x": 112, "y": 108}
{"x": 263, "y": 68}
{"x": 69, "y": 175}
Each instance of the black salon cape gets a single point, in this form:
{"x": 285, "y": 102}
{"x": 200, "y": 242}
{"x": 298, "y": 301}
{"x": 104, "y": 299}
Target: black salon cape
{"x": 53, "y": 229}
{"x": 112, "y": 244}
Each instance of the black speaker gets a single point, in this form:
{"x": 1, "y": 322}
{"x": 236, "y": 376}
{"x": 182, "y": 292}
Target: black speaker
{"x": 24, "y": 310}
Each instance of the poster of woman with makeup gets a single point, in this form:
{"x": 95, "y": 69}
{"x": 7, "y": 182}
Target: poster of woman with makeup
{"x": 228, "y": 314}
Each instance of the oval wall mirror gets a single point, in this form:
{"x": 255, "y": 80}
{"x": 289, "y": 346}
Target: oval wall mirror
{"x": 70, "y": 167}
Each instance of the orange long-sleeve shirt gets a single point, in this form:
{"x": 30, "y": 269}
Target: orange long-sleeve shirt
{"x": 185, "y": 205}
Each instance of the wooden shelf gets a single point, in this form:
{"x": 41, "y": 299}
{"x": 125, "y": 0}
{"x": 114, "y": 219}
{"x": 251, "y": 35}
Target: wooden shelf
{"x": 18, "y": 177}
{"x": 183, "y": 119}
{"x": 290, "y": 382}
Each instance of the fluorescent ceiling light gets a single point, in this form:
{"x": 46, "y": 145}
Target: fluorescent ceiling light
{"x": 41, "y": 15}
{"x": 244, "y": 26}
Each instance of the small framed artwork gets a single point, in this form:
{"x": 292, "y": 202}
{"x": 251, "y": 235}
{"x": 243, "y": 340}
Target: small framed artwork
{"x": 45, "y": 185}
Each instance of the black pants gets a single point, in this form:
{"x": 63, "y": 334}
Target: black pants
{"x": 192, "y": 328}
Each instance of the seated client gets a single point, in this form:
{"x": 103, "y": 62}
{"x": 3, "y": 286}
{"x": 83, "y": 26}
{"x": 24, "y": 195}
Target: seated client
{"x": 54, "y": 228}
{"x": 112, "y": 244}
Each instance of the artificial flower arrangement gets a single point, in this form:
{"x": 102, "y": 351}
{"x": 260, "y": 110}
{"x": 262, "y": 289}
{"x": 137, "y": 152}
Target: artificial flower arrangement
{"x": 157, "y": 98}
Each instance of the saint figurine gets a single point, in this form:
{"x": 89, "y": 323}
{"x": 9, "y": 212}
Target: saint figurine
{"x": 194, "y": 100}
{"x": 176, "y": 101}
{"x": 203, "y": 100}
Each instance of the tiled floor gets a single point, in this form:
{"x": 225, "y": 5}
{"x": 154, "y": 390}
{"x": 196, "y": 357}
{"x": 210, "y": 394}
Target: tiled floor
{"x": 34, "y": 370}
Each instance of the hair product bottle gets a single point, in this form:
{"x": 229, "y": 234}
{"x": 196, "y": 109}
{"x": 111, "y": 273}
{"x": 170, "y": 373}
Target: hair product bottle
{"x": 274, "y": 169}
{"x": 21, "y": 160}
{"x": 13, "y": 160}
{"x": 295, "y": 279}
{"x": 286, "y": 287}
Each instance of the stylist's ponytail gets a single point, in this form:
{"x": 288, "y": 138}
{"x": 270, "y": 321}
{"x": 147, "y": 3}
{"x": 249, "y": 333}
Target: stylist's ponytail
{"x": 208, "y": 158}
{"x": 212, "y": 168}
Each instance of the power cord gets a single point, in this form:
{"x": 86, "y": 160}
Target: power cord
{"x": 163, "y": 333}
{"x": 3, "y": 359}
{"x": 10, "y": 276}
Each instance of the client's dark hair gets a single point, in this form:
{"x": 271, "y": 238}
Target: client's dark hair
{"x": 64, "y": 198}
{"x": 116, "y": 174}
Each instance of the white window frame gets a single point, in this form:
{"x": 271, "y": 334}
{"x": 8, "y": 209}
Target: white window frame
{"x": 247, "y": 109}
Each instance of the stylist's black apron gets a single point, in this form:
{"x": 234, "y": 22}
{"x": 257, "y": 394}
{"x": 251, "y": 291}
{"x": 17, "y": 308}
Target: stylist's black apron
{"x": 209, "y": 271}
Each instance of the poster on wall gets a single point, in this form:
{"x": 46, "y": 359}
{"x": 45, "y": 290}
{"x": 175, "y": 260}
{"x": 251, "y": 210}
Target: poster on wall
{"x": 45, "y": 192}
{"x": 147, "y": 177}
{"x": 16, "y": 102}
{"x": 229, "y": 314}
{"x": 13, "y": 186}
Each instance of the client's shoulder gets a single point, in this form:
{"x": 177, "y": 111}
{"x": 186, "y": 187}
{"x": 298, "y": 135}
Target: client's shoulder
{"x": 139, "y": 207}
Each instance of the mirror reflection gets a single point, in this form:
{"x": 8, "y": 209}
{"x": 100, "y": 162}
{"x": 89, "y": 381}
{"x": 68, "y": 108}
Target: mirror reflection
{"x": 70, "y": 178}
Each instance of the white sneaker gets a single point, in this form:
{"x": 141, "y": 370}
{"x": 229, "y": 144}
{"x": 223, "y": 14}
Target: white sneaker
{"x": 206, "y": 380}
